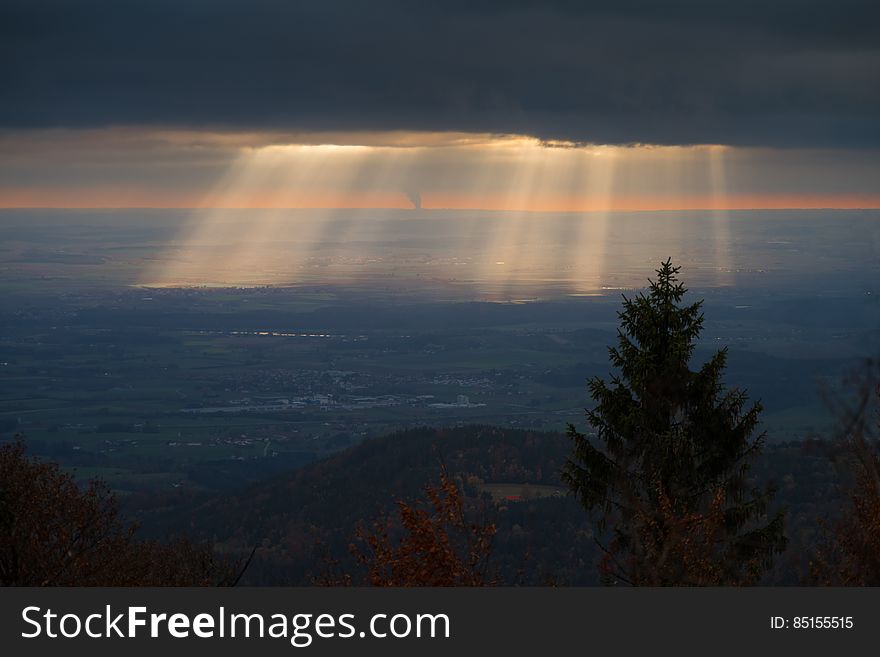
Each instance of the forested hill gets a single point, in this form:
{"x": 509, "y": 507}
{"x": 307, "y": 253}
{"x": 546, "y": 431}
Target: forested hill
{"x": 511, "y": 478}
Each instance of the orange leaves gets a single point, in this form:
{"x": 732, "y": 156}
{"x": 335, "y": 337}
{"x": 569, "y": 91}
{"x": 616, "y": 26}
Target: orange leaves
{"x": 437, "y": 545}
{"x": 681, "y": 543}
{"x": 850, "y": 555}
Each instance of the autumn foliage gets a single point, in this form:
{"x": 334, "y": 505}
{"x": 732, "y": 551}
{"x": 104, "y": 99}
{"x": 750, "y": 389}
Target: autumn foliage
{"x": 849, "y": 555}
{"x": 437, "y": 544}
{"x": 53, "y": 533}
{"x": 682, "y": 546}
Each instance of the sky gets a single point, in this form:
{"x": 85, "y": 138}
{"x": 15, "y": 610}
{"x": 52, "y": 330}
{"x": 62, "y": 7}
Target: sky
{"x": 498, "y": 105}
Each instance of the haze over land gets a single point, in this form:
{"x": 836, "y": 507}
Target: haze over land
{"x": 261, "y": 261}
{"x": 160, "y": 362}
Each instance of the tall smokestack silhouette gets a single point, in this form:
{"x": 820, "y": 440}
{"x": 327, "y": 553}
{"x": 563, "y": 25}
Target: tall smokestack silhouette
{"x": 415, "y": 198}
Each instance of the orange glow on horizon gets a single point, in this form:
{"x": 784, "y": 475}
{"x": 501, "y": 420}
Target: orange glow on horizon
{"x": 121, "y": 198}
{"x": 659, "y": 203}
{"x": 204, "y": 170}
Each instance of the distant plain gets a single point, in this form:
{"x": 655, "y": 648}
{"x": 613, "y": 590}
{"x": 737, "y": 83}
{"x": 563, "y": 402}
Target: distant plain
{"x": 315, "y": 330}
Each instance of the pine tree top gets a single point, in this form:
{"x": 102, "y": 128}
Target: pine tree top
{"x": 657, "y": 335}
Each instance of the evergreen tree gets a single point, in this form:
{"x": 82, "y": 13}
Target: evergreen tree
{"x": 665, "y": 470}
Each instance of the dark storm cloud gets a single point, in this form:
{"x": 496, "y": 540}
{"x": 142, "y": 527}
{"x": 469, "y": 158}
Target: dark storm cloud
{"x": 745, "y": 72}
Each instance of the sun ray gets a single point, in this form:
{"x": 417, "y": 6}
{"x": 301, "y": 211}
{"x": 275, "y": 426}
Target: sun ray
{"x": 586, "y": 253}
{"x": 542, "y": 213}
{"x": 721, "y": 216}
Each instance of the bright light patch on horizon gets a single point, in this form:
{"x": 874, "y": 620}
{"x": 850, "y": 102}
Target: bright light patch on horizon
{"x": 304, "y": 200}
{"x": 477, "y": 172}
{"x": 521, "y": 177}
{"x": 130, "y": 167}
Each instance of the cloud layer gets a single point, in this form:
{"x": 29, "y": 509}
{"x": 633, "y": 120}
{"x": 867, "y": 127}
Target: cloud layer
{"x": 783, "y": 73}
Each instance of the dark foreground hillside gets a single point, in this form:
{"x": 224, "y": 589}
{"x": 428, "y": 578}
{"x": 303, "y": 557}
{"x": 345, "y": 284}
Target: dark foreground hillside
{"x": 300, "y": 520}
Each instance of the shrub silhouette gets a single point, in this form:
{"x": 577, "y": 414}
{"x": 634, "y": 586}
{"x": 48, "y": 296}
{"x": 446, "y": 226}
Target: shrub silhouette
{"x": 53, "y": 533}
